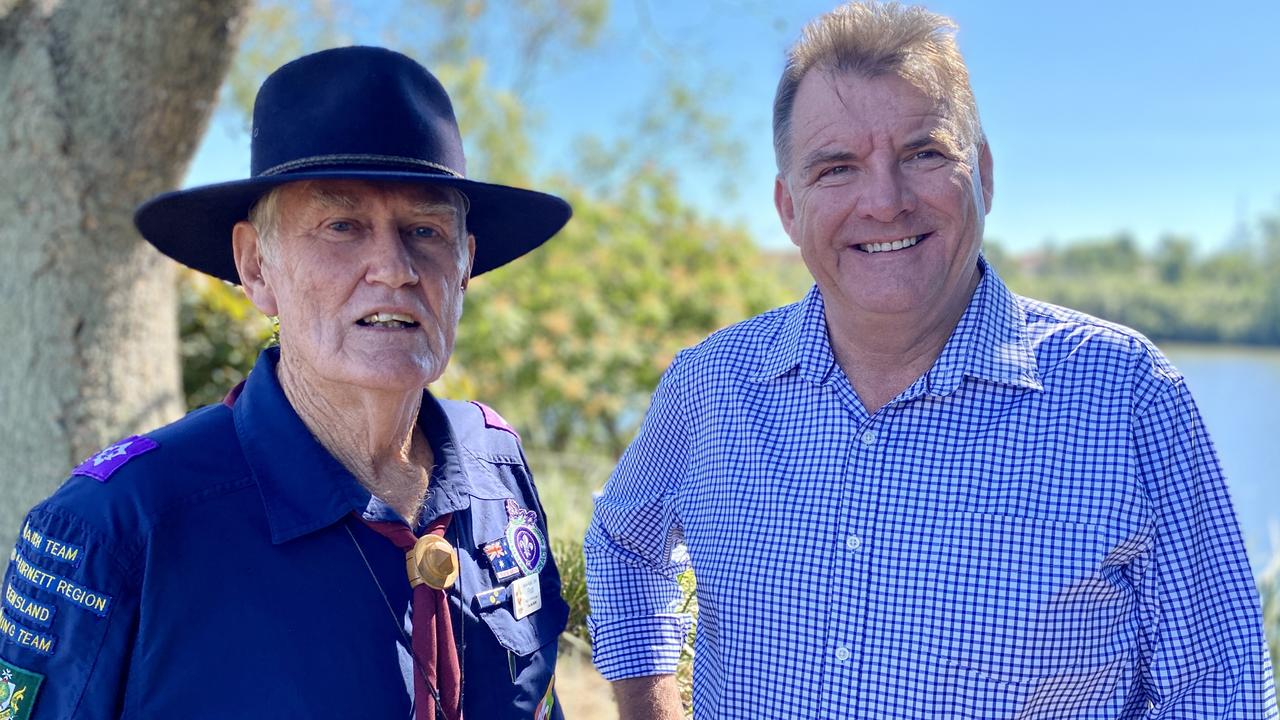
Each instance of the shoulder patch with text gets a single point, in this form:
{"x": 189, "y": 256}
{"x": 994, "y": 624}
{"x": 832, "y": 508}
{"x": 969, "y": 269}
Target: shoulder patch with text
{"x": 101, "y": 466}
{"x": 95, "y": 602}
{"x": 25, "y": 636}
{"x": 25, "y": 608}
{"x": 51, "y": 547}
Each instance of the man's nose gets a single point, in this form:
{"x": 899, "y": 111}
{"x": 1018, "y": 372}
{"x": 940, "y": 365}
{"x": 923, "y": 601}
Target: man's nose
{"x": 885, "y": 195}
{"x": 389, "y": 261}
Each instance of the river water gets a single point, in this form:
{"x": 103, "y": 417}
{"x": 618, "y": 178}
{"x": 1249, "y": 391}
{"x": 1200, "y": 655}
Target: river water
{"x": 1238, "y": 391}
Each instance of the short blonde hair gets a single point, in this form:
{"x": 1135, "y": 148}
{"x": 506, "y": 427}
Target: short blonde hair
{"x": 873, "y": 39}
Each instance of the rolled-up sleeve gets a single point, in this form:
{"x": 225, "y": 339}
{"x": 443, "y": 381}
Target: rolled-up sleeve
{"x": 636, "y": 622}
{"x": 1204, "y": 652}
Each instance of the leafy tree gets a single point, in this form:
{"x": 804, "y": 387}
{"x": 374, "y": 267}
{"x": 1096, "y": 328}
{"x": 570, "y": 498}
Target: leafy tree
{"x": 573, "y": 338}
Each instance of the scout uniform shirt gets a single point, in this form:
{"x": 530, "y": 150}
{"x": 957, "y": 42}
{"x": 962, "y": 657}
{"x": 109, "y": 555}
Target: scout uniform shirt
{"x": 219, "y": 568}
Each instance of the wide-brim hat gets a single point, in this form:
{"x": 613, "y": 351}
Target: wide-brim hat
{"x": 354, "y": 113}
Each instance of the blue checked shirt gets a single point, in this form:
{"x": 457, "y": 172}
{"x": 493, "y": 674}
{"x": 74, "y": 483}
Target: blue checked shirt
{"x": 1037, "y": 528}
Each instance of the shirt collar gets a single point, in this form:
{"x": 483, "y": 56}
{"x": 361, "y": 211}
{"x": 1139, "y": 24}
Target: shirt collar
{"x": 989, "y": 342}
{"x": 801, "y": 343}
{"x": 303, "y": 487}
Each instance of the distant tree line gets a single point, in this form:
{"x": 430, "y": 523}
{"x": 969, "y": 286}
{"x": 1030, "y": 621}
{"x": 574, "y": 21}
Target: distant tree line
{"x": 1169, "y": 292}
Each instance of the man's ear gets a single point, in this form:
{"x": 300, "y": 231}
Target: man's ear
{"x": 471, "y": 260}
{"x": 985, "y": 169}
{"x": 785, "y": 204}
{"x": 247, "y": 248}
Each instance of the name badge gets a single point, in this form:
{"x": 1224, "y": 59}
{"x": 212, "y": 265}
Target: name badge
{"x": 526, "y": 596}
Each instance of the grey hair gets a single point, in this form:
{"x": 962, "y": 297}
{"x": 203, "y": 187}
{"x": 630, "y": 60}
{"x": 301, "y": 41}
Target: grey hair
{"x": 873, "y": 39}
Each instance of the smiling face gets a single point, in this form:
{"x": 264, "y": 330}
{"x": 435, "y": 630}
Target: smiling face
{"x": 366, "y": 279}
{"x": 887, "y": 214}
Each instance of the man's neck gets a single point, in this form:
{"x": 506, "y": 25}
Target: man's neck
{"x": 882, "y": 355}
{"x": 374, "y": 435}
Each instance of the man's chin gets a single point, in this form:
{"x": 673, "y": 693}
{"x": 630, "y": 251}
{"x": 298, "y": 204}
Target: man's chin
{"x": 384, "y": 373}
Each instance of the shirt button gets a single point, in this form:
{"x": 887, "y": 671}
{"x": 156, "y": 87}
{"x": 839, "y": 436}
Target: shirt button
{"x": 869, "y": 437}
{"x": 853, "y": 542}
{"x": 843, "y": 654}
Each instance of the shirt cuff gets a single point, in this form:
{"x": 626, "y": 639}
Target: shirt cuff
{"x": 637, "y": 647}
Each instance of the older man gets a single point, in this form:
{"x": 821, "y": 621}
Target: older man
{"x": 331, "y": 541}
{"x": 913, "y": 493}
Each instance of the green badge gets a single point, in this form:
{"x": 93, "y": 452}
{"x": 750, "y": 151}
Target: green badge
{"x": 18, "y": 690}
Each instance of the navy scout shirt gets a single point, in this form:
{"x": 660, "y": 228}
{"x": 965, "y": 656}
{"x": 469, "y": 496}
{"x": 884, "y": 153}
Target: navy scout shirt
{"x": 217, "y": 568}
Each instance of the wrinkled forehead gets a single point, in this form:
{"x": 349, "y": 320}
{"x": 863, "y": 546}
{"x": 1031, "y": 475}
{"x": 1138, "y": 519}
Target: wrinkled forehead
{"x": 422, "y": 198}
{"x": 915, "y": 95}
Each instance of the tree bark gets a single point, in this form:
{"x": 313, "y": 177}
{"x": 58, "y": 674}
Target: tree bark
{"x": 101, "y": 106}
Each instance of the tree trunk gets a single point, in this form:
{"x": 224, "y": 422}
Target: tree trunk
{"x": 101, "y": 106}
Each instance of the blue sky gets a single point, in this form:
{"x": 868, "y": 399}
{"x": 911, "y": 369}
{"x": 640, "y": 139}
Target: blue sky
{"x": 1147, "y": 117}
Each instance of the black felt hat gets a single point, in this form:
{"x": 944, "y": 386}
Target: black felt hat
{"x": 355, "y": 113}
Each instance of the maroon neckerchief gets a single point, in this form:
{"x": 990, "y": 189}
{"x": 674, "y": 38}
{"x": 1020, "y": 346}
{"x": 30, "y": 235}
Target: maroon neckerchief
{"x": 432, "y": 644}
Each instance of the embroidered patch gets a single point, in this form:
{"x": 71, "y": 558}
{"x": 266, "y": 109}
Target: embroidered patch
{"x": 24, "y": 636}
{"x": 543, "y": 711}
{"x": 27, "y": 609}
{"x": 525, "y": 539}
{"x": 51, "y": 547}
{"x": 96, "y": 602}
{"x": 493, "y": 420}
{"x": 101, "y": 466}
{"x": 18, "y": 688}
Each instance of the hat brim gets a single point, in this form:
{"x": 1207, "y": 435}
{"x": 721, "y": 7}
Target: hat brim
{"x": 193, "y": 226}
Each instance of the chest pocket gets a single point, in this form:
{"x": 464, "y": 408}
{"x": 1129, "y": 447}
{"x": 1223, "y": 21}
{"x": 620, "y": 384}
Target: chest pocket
{"x": 1021, "y": 598}
{"x": 527, "y": 635}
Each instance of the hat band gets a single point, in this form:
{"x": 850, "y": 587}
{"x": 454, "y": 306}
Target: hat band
{"x": 355, "y": 159}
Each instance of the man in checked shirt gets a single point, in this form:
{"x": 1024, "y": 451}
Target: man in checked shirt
{"x": 913, "y": 493}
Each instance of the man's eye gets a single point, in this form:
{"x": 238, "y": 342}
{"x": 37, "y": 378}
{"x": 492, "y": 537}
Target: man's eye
{"x": 835, "y": 170}
{"x": 341, "y": 226}
{"x": 926, "y": 155}
{"x": 425, "y": 232}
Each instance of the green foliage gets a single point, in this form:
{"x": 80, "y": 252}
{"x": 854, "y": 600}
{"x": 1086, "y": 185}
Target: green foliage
{"x": 221, "y": 333}
{"x": 684, "y": 669}
{"x": 1168, "y": 293}
{"x": 573, "y": 586}
{"x": 573, "y": 338}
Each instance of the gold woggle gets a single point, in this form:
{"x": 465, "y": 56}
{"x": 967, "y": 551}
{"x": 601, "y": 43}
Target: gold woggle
{"x": 432, "y": 560}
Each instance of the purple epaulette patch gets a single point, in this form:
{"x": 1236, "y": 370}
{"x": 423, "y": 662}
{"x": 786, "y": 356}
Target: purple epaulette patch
{"x": 493, "y": 420}
{"x": 101, "y": 466}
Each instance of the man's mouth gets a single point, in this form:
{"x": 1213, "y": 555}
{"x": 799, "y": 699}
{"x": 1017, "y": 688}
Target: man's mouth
{"x": 387, "y": 320}
{"x": 902, "y": 244}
